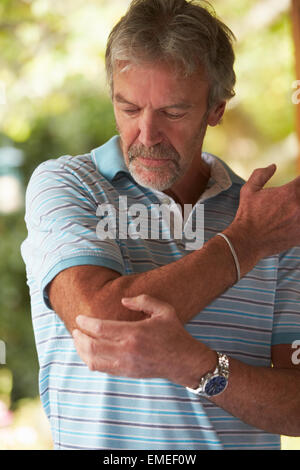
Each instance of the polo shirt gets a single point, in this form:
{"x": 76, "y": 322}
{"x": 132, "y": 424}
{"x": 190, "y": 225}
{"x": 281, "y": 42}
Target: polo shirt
{"x": 92, "y": 410}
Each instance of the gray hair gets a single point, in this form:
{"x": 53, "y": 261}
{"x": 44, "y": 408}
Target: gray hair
{"x": 182, "y": 32}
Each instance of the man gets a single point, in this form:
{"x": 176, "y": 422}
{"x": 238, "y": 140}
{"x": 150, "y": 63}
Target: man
{"x": 143, "y": 343}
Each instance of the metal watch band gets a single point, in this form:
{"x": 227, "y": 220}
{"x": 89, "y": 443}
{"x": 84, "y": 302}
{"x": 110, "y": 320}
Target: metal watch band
{"x": 223, "y": 364}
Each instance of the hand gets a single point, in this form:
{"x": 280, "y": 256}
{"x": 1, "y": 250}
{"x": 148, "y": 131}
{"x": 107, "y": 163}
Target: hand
{"x": 158, "y": 346}
{"x": 268, "y": 220}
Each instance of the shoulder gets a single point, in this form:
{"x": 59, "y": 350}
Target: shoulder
{"x": 75, "y": 174}
{"x": 65, "y": 183}
{"x": 78, "y": 166}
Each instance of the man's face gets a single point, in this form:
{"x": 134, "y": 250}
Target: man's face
{"x": 162, "y": 119}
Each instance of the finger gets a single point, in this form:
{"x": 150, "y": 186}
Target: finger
{"x": 89, "y": 348}
{"x": 94, "y": 362}
{"x": 109, "y": 329}
{"x": 147, "y": 304}
{"x": 260, "y": 177}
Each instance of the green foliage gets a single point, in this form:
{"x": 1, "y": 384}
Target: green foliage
{"x": 84, "y": 124}
{"x": 16, "y": 328}
{"x": 70, "y": 118}
{"x": 84, "y": 120}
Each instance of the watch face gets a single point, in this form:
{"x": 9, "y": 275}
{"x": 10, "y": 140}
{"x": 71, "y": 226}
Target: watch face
{"x": 215, "y": 386}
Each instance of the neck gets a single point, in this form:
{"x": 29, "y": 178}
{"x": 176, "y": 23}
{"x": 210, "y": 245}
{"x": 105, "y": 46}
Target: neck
{"x": 189, "y": 189}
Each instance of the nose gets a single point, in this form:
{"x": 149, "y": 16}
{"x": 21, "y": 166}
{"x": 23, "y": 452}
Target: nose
{"x": 150, "y": 132}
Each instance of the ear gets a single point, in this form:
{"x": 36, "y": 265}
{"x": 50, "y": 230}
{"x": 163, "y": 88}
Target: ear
{"x": 216, "y": 114}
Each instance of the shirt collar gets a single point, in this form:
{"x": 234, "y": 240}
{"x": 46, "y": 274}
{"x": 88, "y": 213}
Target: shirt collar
{"x": 221, "y": 177}
{"x": 109, "y": 160}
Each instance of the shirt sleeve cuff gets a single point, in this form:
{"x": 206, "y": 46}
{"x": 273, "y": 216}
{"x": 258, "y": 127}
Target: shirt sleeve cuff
{"x": 76, "y": 261}
{"x": 285, "y": 338}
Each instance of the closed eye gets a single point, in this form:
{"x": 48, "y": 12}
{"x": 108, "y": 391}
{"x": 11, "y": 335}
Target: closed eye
{"x": 174, "y": 116}
{"x": 130, "y": 111}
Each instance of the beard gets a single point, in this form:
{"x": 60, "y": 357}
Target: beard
{"x": 161, "y": 177}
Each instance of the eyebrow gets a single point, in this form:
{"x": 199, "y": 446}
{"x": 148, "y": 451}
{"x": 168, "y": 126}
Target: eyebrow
{"x": 120, "y": 99}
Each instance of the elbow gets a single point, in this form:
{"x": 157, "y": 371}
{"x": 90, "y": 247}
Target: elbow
{"x": 106, "y": 303}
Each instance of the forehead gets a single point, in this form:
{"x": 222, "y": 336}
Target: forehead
{"x": 159, "y": 82}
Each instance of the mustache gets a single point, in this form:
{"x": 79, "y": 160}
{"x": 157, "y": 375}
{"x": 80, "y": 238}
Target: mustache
{"x": 157, "y": 152}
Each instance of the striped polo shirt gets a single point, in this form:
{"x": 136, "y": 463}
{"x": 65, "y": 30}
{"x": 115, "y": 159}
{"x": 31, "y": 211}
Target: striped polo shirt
{"x": 91, "y": 410}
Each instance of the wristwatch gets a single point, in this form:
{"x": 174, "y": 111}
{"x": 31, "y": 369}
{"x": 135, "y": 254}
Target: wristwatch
{"x": 214, "y": 383}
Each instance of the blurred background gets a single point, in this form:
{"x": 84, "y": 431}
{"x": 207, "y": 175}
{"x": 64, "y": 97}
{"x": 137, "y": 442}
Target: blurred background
{"x": 54, "y": 101}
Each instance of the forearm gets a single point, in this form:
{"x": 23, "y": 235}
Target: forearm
{"x": 265, "y": 398}
{"x": 189, "y": 284}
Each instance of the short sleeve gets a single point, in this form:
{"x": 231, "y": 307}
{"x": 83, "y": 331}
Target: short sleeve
{"x": 286, "y": 326}
{"x": 62, "y": 222}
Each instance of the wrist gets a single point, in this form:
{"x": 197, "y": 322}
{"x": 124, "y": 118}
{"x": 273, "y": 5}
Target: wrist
{"x": 200, "y": 363}
{"x": 245, "y": 246}
{"x": 234, "y": 255}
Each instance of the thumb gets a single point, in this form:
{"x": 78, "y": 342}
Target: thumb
{"x": 260, "y": 177}
{"x": 147, "y": 304}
